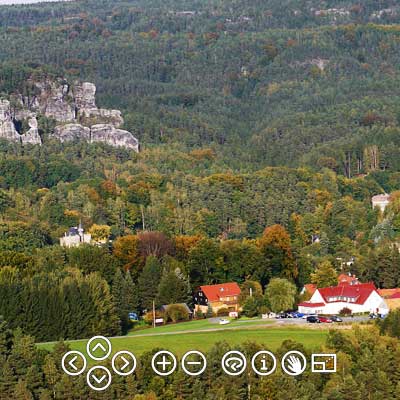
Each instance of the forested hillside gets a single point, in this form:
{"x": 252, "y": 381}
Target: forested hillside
{"x": 266, "y": 127}
{"x": 264, "y": 83}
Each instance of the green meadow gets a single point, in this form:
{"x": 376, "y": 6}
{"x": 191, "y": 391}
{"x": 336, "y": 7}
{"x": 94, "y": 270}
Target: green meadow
{"x": 201, "y": 335}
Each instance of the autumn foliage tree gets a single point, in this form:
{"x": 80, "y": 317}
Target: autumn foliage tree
{"x": 276, "y": 247}
{"x": 154, "y": 244}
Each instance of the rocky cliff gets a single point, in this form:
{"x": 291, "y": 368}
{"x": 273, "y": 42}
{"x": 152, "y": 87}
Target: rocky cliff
{"x": 74, "y": 109}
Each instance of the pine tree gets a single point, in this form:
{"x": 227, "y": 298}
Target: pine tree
{"x": 173, "y": 288}
{"x": 21, "y": 392}
{"x": 131, "y": 293}
{"x": 125, "y": 298}
{"x": 148, "y": 282}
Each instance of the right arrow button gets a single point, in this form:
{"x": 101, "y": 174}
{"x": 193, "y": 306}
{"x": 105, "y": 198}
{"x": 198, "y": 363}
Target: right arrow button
{"x": 124, "y": 363}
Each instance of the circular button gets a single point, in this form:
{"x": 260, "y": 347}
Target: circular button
{"x": 194, "y": 363}
{"x": 263, "y": 363}
{"x": 163, "y": 363}
{"x": 234, "y": 363}
{"x": 123, "y": 363}
{"x": 98, "y": 348}
{"x": 70, "y": 363}
{"x": 98, "y": 378}
{"x": 294, "y": 363}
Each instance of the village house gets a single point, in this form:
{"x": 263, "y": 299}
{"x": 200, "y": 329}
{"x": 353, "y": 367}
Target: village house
{"x": 75, "y": 237}
{"x": 358, "y": 297}
{"x": 225, "y": 295}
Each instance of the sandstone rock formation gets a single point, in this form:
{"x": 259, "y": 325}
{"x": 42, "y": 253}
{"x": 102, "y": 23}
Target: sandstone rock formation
{"x": 32, "y": 135}
{"x": 69, "y": 132}
{"x": 7, "y": 127}
{"x": 73, "y": 107}
{"x": 54, "y": 101}
{"x": 85, "y": 98}
{"x": 107, "y": 133}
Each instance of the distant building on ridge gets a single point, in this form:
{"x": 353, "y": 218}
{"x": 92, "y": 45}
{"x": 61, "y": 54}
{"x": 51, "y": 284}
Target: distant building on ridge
{"x": 75, "y": 237}
{"x": 381, "y": 201}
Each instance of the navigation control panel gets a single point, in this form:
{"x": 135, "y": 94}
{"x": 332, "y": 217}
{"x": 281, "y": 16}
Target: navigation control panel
{"x": 192, "y": 363}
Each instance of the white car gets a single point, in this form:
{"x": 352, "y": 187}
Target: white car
{"x": 224, "y": 321}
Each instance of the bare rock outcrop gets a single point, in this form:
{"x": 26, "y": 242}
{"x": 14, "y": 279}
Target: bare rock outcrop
{"x": 107, "y": 133}
{"x": 7, "y": 127}
{"x": 85, "y": 100}
{"x": 72, "y": 106}
{"x": 32, "y": 135}
{"x": 69, "y": 132}
{"x": 55, "y": 101}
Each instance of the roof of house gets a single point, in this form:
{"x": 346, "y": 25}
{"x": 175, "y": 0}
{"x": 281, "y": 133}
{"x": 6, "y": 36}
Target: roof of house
{"x": 388, "y": 293}
{"x": 360, "y": 292}
{"x": 381, "y": 197}
{"x": 215, "y": 292}
{"x": 309, "y": 304}
{"x": 395, "y": 296}
{"x": 166, "y": 306}
{"x": 345, "y": 279}
{"x": 310, "y": 288}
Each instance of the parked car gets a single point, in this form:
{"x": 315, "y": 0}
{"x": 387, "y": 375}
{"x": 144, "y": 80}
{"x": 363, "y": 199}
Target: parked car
{"x": 325, "y": 320}
{"x": 283, "y": 315}
{"x": 297, "y": 315}
{"x": 224, "y": 321}
{"x": 313, "y": 319}
{"x": 335, "y": 318}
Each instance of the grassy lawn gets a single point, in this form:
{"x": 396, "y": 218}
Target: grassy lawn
{"x": 181, "y": 342}
{"x": 200, "y": 325}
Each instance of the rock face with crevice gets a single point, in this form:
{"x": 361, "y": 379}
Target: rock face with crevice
{"x": 7, "y": 127}
{"x": 74, "y": 109}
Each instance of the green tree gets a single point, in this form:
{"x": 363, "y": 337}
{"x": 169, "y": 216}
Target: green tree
{"x": 148, "y": 282}
{"x": 325, "y": 275}
{"x": 280, "y": 294}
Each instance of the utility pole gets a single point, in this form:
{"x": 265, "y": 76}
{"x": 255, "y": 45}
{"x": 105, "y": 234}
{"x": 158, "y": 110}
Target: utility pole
{"x": 154, "y": 314}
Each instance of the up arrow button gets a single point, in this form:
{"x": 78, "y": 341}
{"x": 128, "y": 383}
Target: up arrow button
{"x": 98, "y": 348}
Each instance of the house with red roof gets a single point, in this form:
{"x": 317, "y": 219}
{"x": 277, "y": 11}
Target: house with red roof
{"x": 358, "y": 297}
{"x": 224, "y": 295}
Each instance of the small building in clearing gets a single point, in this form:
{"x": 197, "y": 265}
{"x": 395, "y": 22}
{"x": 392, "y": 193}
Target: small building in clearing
{"x": 381, "y": 201}
{"x": 225, "y": 295}
{"x": 75, "y": 237}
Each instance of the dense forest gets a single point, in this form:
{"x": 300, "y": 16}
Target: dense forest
{"x": 306, "y": 83}
{"x": 265, "y": 128}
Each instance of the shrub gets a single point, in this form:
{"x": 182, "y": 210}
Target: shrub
{"x": 345, "y": 311}
{"x": 250, "y": 307}
{"x": 223, "y": 312}
{"x": 148, "y": 317}
{"x": 177, "y": 312}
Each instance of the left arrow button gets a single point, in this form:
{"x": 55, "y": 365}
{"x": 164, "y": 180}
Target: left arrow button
{"x": 73, "y": 363}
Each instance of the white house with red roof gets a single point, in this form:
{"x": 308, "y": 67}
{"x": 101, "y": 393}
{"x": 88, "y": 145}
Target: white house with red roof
{"x": 358, "y": 297}
{"x": 224, "y": 295}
